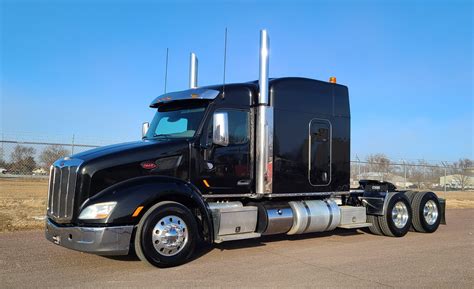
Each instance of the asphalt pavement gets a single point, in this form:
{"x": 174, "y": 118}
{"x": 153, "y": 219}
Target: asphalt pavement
{"x": 338, "y": 259}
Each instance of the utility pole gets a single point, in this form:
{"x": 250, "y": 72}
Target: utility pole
{"x": 405, "y": 173}
{"x": 445, "y": 176}
{"x": 72, "y": 145}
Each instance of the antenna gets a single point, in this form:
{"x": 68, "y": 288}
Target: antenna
{"x": 225, "y": 62}
{"x": 166, "y": 68}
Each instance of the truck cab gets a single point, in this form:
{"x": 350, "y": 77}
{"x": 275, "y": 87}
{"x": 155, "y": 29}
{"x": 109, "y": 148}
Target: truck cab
{"x": 227, "y": 162}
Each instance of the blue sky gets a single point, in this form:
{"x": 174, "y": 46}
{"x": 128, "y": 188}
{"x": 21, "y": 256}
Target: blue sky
{"x": 92, "y": 67}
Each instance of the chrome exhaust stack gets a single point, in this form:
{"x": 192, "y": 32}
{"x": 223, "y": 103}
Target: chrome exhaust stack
{"x": 264, "y": 64}
{"x": 193, "y": 70}
{"x": 264, "y": 126}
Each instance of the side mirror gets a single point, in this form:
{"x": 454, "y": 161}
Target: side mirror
{"x": 145, "y": 127}
{"x": 220, "y": 129}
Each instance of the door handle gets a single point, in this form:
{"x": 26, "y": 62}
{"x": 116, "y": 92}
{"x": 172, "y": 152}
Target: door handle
{"x": 243, "y": 182}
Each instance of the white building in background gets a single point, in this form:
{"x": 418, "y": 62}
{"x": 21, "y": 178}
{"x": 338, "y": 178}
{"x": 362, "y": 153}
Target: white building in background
{"x": 454, "y": 181}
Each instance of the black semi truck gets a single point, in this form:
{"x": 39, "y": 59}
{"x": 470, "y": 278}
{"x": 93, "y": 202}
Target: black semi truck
{"x": 227, "y": 162}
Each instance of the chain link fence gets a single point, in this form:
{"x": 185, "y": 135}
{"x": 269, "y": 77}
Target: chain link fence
{"x": 416, "y": 175}
{"x": 22, "y": 158}
{"x": 34, "y": 158}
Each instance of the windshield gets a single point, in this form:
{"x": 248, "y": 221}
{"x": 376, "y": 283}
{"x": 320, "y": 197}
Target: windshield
{"x": 177, "y": 120}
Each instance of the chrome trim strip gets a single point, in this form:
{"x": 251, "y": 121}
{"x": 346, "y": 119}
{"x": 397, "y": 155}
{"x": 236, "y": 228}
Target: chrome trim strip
{"x": 51, "y": 170}
{"x": 217, "y": 196}
{"x": 310, "y": 194}
{"x": 282, "y": 195}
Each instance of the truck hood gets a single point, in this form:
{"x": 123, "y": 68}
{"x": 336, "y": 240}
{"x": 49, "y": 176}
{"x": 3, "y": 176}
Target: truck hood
{"x": 124, "y": 153}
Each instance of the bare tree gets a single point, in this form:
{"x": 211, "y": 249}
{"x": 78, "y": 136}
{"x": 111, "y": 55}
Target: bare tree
{"x": 22, "y": 159}
{"x": 3, "y": 163}
{"x": 379, "y": 163}
{"x": 418, "y": 173}
{"x": 462, "y": 172}
{"x": 51, "y": 153}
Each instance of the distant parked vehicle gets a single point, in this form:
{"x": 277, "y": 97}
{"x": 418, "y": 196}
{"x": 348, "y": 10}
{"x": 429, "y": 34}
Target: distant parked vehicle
{"x": 3, "y": 171}
{"x": 39, "y": 172}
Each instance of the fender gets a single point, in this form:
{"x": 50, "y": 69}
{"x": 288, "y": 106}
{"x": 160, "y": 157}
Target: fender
{"x": 146, "y": 191}
{"x": 376, "y": 203}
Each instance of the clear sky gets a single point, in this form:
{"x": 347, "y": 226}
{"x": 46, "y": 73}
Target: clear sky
{"x": 92, "y": 67}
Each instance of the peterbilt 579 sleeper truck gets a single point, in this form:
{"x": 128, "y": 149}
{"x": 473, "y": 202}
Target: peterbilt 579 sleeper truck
{"x": 227, "y": 162}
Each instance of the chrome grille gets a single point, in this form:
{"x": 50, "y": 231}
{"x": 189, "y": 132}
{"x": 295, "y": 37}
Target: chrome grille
{"x": 62, "y": 186}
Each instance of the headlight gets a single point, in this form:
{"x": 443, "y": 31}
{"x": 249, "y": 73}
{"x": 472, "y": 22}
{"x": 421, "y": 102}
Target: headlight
{"x": 97, "y": 211}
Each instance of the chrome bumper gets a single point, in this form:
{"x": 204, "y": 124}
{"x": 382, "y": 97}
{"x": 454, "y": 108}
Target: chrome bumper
{"x": 96, "y": 240}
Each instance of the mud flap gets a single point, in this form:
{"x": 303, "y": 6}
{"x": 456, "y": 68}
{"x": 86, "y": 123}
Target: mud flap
{"x": 442, "y": 207}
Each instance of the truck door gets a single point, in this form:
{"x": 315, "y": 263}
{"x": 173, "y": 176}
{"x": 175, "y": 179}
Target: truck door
{"x": 228, "y": 167}
{"x": 319, "y": 165}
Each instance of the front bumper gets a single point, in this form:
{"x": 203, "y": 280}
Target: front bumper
{"x": 96, "y": 240}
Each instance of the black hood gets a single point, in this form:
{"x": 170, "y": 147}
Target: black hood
{"x": 130, "y": 152}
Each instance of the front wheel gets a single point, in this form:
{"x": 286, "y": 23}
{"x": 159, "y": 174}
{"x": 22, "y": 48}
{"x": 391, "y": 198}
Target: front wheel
{"x": 166, "y": 235}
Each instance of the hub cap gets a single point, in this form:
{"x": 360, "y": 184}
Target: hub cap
{"x": 430, "y": 212}
{"x": 170, "y": 235}
{"x": 400, "y": 215}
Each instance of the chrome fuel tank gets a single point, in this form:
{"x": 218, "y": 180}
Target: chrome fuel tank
{"x": 314, "y": 216}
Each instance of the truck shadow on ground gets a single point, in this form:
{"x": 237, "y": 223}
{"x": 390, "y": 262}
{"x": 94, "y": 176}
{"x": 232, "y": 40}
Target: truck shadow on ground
{"x": 203, "y": 249}
{"x": 262, "y": 241}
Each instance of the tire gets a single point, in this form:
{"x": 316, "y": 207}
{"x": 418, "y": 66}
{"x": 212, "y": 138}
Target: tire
{"x": 375, "y": 228}
{"x": 152, "y": 238}
{"x": 395, "y": 224}
{"x": 426, "y": 221}
{"x": 410, "y": 195}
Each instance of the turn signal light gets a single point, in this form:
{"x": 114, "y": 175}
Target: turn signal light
{"x": 137, "y": 211}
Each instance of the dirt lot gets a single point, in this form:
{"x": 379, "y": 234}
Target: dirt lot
{"x": 23, "y": 203}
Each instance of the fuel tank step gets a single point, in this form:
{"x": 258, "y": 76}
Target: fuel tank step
{"x": 355, "y": 226}
{"x": 234, "y": 237}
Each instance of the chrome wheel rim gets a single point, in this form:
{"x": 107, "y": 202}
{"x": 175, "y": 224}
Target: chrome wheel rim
{"x": 400, "y": 215}
{"x": 170, "y": 235}
{"x": 430, "y": 212}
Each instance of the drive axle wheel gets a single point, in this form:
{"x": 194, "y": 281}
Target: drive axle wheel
{"x": 375, "y": 228}
{"x": 426, "y": 212}
{"x": 397, "y": 219}
{"x": 166, "y": 235}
